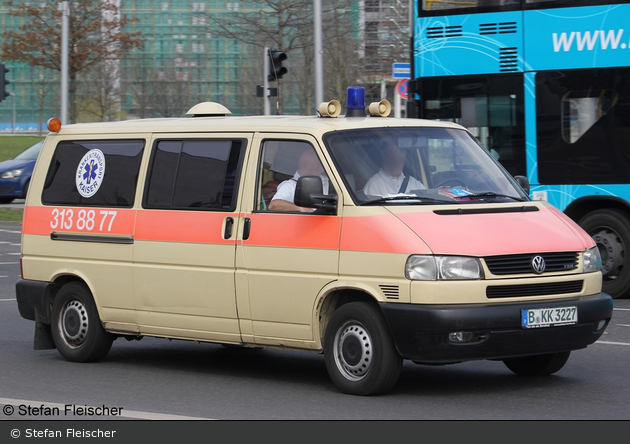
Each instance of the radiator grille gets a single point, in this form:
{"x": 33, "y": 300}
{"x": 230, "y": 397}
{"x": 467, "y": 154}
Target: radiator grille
{"x": 514, "y": 291}
{"x": 522, "y": 263}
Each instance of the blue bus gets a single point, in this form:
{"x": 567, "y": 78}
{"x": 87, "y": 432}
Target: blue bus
{"x": 545, "y": 86}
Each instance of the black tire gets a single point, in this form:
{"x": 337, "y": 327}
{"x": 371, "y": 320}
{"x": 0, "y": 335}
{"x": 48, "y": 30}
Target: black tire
{"x": 360, "y": 355}
{"x": 25, "y": 189}
{"x": 76, "y": 328}
{"x": 539, "y": 365}
{"x": 6, "y": 200}
{"x": 610, "y": 229}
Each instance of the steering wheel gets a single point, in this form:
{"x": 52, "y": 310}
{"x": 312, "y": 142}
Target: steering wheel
{"x": 451, "y": 181}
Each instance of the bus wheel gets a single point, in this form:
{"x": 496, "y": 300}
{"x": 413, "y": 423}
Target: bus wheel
{"x": 360, "y": 355}
{"x": 610, "y": 229}
{"x": 76, "y": 327}
{"x": 539, "y": 365}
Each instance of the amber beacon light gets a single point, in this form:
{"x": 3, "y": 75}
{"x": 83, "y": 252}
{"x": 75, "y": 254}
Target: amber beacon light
{"x": 54, "y": 124}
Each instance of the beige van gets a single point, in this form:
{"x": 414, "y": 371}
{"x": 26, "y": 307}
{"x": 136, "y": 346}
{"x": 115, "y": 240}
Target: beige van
{"x": 369, "y": 239}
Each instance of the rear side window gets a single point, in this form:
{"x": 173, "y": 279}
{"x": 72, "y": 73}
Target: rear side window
{"x": 94, "y": 173}
{"x": 194, "y": 174}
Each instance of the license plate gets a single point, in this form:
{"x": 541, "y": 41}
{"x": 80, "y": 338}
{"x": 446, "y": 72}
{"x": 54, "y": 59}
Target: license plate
{"x": 548, "y": 317}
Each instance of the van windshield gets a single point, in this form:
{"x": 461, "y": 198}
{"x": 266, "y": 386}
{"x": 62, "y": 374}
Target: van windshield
{"x": 402, "y": 166}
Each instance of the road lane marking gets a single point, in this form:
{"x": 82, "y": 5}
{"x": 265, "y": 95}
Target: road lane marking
{"x": 6, "y": 300}
{"x": 622, "y": 309}
{"x": 9, "y": 263}
{"x": 135, "y": 414}
{"x": 612, "y": 343}
{"x": 623, "y": 325}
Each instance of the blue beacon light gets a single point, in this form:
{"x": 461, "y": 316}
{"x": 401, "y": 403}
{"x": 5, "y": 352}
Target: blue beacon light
{"x": 356, "y": 102}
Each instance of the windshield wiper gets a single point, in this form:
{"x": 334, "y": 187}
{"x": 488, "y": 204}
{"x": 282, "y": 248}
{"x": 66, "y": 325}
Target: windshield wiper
{"x": 394, "y": 198}
{"x": 490, "y": 194}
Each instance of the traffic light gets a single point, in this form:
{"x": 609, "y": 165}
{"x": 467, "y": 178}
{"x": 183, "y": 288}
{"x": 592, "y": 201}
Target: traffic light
{"x": 276, "y": 70}
{"x": 3, "y": 82}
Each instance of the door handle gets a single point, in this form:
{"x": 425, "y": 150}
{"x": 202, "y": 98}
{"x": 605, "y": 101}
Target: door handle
{"x": 246, "y": 228}
{"x": 229, "y": 223}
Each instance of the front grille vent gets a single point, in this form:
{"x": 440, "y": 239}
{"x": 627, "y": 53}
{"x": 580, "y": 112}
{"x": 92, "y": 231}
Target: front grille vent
{"x": 522, "y": 263}
{"x": 515, "y": 291}
{"x": 390, "y": 291}
{"x": 508, "y": 59}
{"x": 440, "y": 32}
{"x": 497, "y": 28}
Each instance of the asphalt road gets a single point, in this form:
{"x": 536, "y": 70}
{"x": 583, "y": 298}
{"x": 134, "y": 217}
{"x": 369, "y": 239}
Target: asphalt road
{"x": 160, "y": 379}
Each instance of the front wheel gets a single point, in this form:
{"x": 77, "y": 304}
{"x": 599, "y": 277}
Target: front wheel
{"x": 76, "y": 327}
{"x": 360, "y": 355}
{"x": 610, "y": 229}
{"x": 539, "y": 365}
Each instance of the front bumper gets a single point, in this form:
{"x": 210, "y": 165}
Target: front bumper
{"x": 421, "y": 332}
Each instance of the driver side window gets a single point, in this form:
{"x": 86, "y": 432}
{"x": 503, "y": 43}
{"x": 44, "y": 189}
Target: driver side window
{"x": 282, "y": 162}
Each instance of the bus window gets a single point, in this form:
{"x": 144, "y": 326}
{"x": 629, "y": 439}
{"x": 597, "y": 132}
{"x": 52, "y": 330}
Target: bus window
{"x": 582, "y": 133}
{"x": 490, "y": 108}
{"x": 582, "y": 109}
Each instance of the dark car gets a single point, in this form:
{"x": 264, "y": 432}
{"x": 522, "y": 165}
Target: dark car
{"x": 15, "y": 174}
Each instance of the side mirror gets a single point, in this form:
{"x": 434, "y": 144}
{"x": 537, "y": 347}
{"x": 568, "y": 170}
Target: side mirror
{"x": 523, "y": 182}
{"x": 309, "y": 193}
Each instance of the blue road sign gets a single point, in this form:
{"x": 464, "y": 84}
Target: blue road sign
{"x": 401, "y": 70}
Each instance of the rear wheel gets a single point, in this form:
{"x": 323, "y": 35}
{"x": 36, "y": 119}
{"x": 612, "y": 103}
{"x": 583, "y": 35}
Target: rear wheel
{"x": 6, "y": 200}
{"x": 360, "y": 355}
{"x": 610, "y": 229}
{"x": 76, "y": 328}
{"x": 539, "y": 365}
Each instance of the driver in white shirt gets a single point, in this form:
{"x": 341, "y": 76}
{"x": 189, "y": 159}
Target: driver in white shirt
{"x": 390, "y": 178}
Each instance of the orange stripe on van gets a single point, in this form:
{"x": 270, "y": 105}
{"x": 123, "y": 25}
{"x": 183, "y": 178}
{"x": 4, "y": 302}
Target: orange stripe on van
{"x": 44, "y": 220}
{"x": 294, "y": 231}
{"x": 383, "y": 233}
{"x": 183, "y": 226}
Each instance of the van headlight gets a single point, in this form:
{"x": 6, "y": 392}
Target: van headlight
{"x": 431, "y": 268}
{"x": 592, "y": 260}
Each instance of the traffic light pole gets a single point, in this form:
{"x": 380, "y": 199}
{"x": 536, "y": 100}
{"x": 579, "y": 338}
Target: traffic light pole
{"x": 65, "y": 19}
{"x": 266, "y": 83}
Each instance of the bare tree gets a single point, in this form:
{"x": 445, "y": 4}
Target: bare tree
{"x": 137, "y": 82}
{"x": 287, "y": 25}
{"x": 44, "y": 86}
{"x": 94, "y": 35}
{"x": 99, "y": 95}
{"x": 169, "y": 92}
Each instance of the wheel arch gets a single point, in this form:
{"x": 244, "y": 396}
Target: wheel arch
{"x": 62, "y": 279}
{"x": 579, "y": 208}
{"x": 331, "y": 300}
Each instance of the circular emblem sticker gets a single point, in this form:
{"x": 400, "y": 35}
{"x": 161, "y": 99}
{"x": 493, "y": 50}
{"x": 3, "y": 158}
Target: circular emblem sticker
{"x": 90, "y": 173}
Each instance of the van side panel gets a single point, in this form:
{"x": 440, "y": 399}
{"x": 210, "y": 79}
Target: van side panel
{"x": 184, "y": 275}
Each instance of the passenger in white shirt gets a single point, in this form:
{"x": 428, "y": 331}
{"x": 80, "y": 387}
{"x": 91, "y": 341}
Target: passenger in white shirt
{"x": 390, "y": 177}
{"x": 308, "y": 165}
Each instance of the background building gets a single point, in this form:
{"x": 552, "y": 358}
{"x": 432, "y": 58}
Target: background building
{"x": 187, "y": 60}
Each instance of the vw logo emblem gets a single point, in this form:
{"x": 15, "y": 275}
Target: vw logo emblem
{"x": 538, "y": 264}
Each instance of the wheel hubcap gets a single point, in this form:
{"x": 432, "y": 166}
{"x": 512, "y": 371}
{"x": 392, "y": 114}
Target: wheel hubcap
{"x": 353, "y": 351}
{"x": 612, "y": 250}
{"x": 73, "y": 323}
